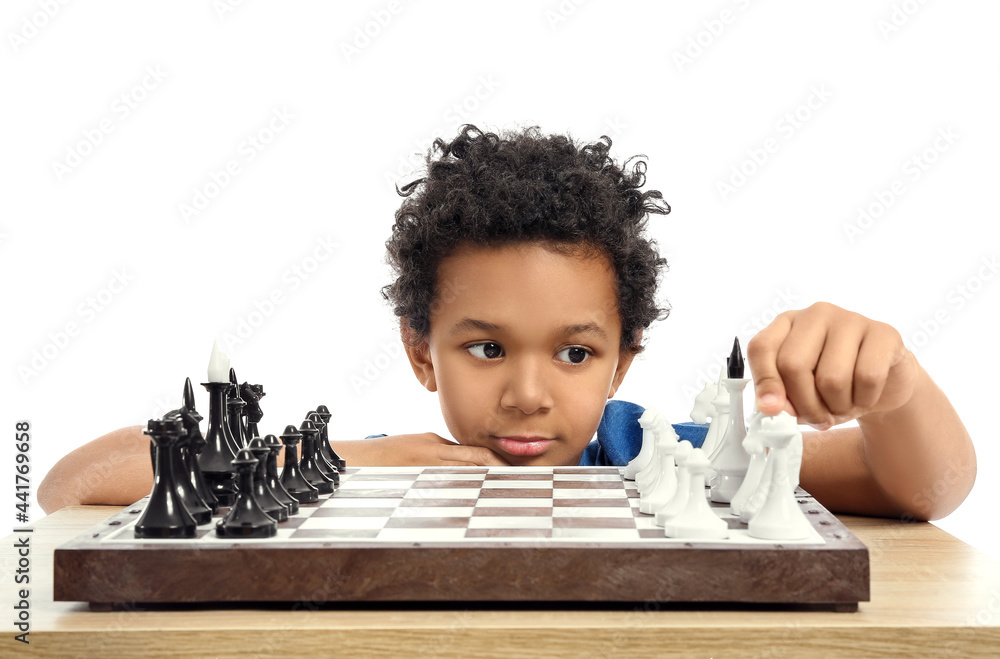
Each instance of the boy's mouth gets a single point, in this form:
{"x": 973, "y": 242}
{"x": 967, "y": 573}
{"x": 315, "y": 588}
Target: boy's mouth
{"x": 524, "y": 446}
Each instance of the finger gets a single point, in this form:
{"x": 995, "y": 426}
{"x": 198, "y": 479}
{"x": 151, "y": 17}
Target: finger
{"x": 477, "y": 455}
{"x": 797, "y": 358}
{"x": 433, "y": 437}
{"x": 762, "y": 354}
{"x": 875, "y": 359}
{"x": 834, "y": 374}
{"x": 487, "y": 458}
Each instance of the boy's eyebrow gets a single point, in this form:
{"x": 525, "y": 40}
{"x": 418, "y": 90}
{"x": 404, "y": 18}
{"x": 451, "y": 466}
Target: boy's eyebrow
{"x": 586, "y": 328}
{"x": 467, "y": 324}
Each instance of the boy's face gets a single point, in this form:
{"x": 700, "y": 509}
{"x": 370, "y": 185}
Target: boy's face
{"x": 523, "y": 350}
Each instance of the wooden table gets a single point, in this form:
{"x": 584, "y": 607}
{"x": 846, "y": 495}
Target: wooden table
{"x": 930, "y": 594}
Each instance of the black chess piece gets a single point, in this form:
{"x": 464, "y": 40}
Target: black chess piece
{"x": 251, "y": 395}
{"x": 734, "y": 365}
{"x": 190, "y": 482}
{"x": 325, "y": 465}
{"x": 308, "y": 466}
{"x": 295, "y": 484}
{"x": 196, "y": 506}
{"x": 327, "y": 469}
{"x": 216, "y": 459}
{"x": 196, "y": 444}
{"x": 234, "y": 408}
{"x": 267, "y": 500}
{"x": 165, "y": 515}
{"x": 280, "y": 493}
{"x": 324, "y": 445}
{"x": 246, "y": 519}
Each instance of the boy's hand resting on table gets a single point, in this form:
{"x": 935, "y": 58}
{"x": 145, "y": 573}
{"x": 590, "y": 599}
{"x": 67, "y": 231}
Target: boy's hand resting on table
{"x": 416, "y": 450}
{"x": 827, "y": 366}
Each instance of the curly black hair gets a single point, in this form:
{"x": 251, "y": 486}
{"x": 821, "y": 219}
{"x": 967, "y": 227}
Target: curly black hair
{"x": 523, "y": 186}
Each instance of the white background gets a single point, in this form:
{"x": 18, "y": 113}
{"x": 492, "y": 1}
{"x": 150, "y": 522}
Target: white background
{"x": 697, "y": 90}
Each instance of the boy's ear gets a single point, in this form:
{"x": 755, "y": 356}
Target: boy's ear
{"x": 624, "y": 361}
{"x": 419, "y": 355}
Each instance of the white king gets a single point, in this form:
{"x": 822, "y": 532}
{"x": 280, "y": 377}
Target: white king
{"x": 218, "y": 365}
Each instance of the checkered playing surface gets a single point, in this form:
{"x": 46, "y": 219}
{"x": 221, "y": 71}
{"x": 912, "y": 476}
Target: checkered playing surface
{"x": 473, "y": 504}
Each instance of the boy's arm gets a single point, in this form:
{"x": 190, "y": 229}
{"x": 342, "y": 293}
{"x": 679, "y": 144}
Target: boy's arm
{"x": 114, "y": 469}
{"x": 921, "y": 453}
{"x": 911, "y": 454}
{"x": 419, "y": 449}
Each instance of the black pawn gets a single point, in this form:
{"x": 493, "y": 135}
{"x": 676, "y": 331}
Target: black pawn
{"x": 331, "y": 455}
{"x": 307, "y": 465}
{"x": 280, "y": 493}
{"x": 246, "y": 519}
{"x": 165, "y": 515}
{"x": 261, "y": 490}
{"x": 295, "y": 484}
{"x": 734, "y": 364}
{"x": 329, "y": 470}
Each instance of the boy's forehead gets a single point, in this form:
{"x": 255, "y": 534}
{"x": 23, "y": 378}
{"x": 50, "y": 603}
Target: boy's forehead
{"x": 537, "y": 254}
{"x": 569, "y": 284}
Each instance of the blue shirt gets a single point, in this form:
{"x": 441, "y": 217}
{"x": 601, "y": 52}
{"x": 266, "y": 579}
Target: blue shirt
{"x": 619, "y": 437}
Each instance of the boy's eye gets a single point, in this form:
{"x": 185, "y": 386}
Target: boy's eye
{"x": 486, "y": 350}
{"x": 573, "y": 355}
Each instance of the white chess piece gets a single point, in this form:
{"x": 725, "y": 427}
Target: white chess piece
{"x": 720, "y": 420}
{"x": 697, "y": 519}
{"x": 780, "y": 517}
{"x": 645, "y": 454}
{"x": 645, "y": 478}
{"x": 218, "y": 365}
{"x": 731, "y": 461}
{"x": 753, "y": 444}
{"x": 794, "y": 461}
{"x": 756, "y": 499}
{"x": 657, "y": 495}
{"x": 677, "y": 502}
{"x": 703, "y": 407}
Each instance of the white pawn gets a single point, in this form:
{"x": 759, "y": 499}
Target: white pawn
{"x": 645, "y": 454}
{"x": 697, "y": 519}
{"x": 677, "y": 502}
{"x": 753, "y": 443}
{"x": 661, "y": 429}
{"x": 657, "y": 495}
{"x": 780, "y": 517}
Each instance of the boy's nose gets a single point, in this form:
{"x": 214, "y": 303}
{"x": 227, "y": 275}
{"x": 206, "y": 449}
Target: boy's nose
{"x": 527, "y": 388}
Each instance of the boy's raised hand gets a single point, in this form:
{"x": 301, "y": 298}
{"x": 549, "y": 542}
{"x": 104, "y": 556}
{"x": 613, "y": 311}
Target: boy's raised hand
{"x": 827, "y": 365}
{"x": 423, "y": 449}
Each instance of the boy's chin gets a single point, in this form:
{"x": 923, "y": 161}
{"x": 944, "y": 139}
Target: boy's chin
{"x": 531, "y": 461}
{"x": 543, "y": 460}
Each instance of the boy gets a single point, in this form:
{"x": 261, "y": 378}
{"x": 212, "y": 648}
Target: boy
{"x": 524, "y": 283}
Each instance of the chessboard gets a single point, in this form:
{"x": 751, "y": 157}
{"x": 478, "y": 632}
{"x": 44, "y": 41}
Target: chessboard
{"x": 464, "y": 534}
